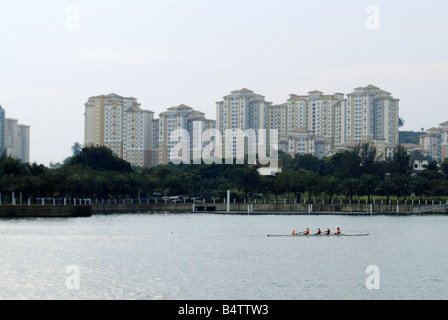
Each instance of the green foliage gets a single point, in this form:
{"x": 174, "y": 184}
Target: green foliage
{"x": 98, "y": 173}
{"x": 100, "y": 159}
{"x": 445, "y": 166}
{"x": 410, "y": 137}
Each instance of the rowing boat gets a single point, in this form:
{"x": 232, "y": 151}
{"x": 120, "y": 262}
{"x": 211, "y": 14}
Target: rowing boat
{"x": 319, "y": 235}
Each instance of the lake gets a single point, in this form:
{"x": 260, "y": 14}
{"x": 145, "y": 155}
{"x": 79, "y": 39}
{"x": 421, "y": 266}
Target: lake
{"x": 207, "y": 256}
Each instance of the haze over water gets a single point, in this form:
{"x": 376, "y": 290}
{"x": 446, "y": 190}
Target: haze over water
{"x": 208, "y": 256}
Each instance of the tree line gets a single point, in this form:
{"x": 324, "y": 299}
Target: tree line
{"x": 95, "y": 172}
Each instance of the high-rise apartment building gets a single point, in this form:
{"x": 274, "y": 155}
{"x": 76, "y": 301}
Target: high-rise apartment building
{"x": 17, "y": 140}
{"x": 444, "y": 127}
{"x": 316, "y": 123}
{"x": 119, "y": 124}
{"x": 172, "y": 124}
{"x": 2, "y": 130}
{"x": 241, "y": 110}
{"x": 371, "y": 113}
{"x": 368, "y": 114}
{"x": 137, "y": 137}
{"x": 315, "y": 112}
{"x": 277, "y": 118}
{"x": 434, "y": 143}
{"x": 134, "y": 135}
{"x": 14, "y": 138}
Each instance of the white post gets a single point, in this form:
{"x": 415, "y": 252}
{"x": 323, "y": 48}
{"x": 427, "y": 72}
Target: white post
{"x": 13, "y": 199}
{"x": 228, "y": 200}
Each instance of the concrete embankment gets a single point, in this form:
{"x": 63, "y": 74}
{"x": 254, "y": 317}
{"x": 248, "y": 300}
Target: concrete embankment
{"x": 270, "y": 208}
{"x": 55, "y": 211}
{"x": 36, "y": 211}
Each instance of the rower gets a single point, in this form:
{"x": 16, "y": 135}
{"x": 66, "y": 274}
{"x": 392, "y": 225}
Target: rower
{"x": 307, "y": 232}
{"x": 338, "y": 231}
{"x": 293, "y": 232}
{"x": 318, "y": 232}
{"x": 328, "y": 231}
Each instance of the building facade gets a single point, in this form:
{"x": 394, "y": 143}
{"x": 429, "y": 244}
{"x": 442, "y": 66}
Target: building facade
{"x": 134, "y": 135}
{"x": 240, "y": 111}
{"x": 172, "y": 124}
{"x": 118, "y": 123}
{"x": 14, "y": 138}
{"x": 2, "y": 130}
{"x": 444, "y": 140}
{"x": 371, "y": 113}
{"x": 316, "y": 123}
{"x": 434, "y": 143}
{"x": 367, "y": 115}
{"x": 17, "y": 140}
{"x": 303, "y": 141}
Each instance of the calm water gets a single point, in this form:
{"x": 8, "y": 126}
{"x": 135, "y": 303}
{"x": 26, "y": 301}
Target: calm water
{"x": 222, "y": 257}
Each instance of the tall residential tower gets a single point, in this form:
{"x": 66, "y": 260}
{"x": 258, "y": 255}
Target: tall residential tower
{"x": 119, "y": 124}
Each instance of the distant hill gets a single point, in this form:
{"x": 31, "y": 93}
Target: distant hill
{"x": 410, "y": 136}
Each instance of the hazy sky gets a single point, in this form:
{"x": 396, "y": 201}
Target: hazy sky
{"x": 55, "y": 54}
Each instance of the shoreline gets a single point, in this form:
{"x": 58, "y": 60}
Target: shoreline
{"x": 74, "y": 211}
{"x": 272, "y": 209}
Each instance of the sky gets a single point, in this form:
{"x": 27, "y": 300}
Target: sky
{"x": 55, "y": 54}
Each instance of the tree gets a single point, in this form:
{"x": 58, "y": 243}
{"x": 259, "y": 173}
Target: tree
{"x": 385, "y": 187}
{"x": 351, "y": 164}
{"x": 368, "y": 185}
{"x": 330, "y": 186}
{"x": 400, "y": 162}
{"x": 248, "y": 180}
{"x": 76, "y": 148}
{"x": 308, "y": 162}
{"x": 101, "y": 159}
{"x": 444, "y": 166}
{"x": 401, "y": 185}
{"x": 310, "y": 180}
{"x": 431, "y": 166}
{"x": 419, "y": 185}
{"x": 277, "y": 184}
{"x": 367, "y": 156}
{"x": 350, "y": 187}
